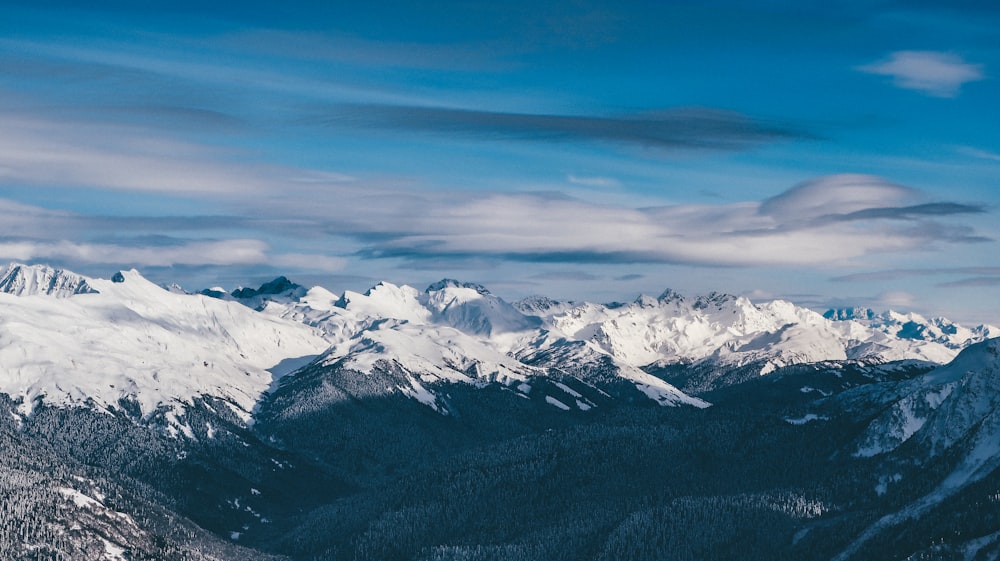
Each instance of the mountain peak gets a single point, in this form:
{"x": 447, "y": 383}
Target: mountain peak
{"x": 540, "y": 305}
{"x": 645, "y": 301}
{"x": 452, "y": 283}
{"x": 841, "y": 314}
{"x": 714, "y": 299}
{"x": 27, "y": 280}
{"x": 277, "y": 286}
{"x": 670, "y": 296}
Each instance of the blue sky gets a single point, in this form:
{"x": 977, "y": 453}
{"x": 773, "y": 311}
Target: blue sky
{"x": 831, "y": 156}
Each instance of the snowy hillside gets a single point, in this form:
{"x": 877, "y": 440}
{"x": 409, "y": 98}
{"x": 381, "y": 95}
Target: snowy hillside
{"x": 957, "y": 402}
{"x": 952, "y": 414}
{"x": 130, "y": 339}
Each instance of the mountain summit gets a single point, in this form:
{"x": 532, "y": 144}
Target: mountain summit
{"x": 30, "y": 280}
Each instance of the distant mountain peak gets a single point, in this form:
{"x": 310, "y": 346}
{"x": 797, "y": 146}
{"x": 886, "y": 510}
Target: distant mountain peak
{"x": 714, "y": 299}
{"x": 646, "y": 301}
{"x": 914, "y": 327}
{"x": 540, "y": 305}
{"x": 670, "y": 296}
{"x": 452, "y": 283}
{"x": 841, "y": 314}
{"x": 280, "y": 285}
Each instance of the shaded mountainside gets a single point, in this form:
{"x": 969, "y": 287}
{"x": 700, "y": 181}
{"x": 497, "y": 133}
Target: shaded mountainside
{"x": 335, "y": 469}
{"x": 285, "y": 423}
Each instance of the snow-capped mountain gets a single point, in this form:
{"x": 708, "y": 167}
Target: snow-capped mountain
{"x": 30, "y": 280}
{"x": 950, "y": 416}
{"x": 732, "y": 331}
{"x": 454, "y": 332}
{"x": 127, "y": 338}
{"x": 915, "y": 327}
{"x": 448, "y": 423}
{"x": 957, "y": 402}
{"x": 279, "y": 290}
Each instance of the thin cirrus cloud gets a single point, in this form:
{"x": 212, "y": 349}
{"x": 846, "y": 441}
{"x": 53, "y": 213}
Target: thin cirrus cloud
{"x": 223, "y": 252}
{"x": 596, "y": 182}
{"x": 565, "y": 276}
{"x": 677, "y": 128}
{"x": 971, "y": 282}
{"x": 230, "y": 252}
{"x": 970, "y": 276}
{"x": 36, "y": 150}
{"x": 933, "y": 73}
{"x": 896, "y": 274}
{"x": 979, "y": 153}
{"x": 38, "y": 234}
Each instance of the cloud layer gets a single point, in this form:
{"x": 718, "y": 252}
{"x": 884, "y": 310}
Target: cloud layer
{"x": 687, "y": 128}
{"x": 933, "y": 73}
{"x": 827, "y": 220}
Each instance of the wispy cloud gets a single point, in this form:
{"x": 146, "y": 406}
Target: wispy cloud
{"x": 792, "y": 228}
{"x": 46, "y": 152}
{"x": 896, "y": 299}
{"x": 908, "y": 212}
{"x": 308, "y": 261}
{"x": 678, "y": 128}
{"x": 971, "y": 282}
{"x": 224, "y": 252}
{"x": 979, "y": 153}
{"x": 594, "y": 181}
{"x": 228, "y": 252}
{"x": 897, "y": 274}
{"x": 350, "y": 49}
{"x": 565, "y": 276}
{"x": 827, "y": 220}
{"x": 933, "y": 73}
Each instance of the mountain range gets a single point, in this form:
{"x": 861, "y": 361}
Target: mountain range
{"x": 285, "y": 422}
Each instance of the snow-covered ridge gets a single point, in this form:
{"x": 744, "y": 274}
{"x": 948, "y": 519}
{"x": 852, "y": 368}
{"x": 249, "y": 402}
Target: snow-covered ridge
{"x": 729, "y": 330}
{"x": 915, "y": 327}
{"x": 131, "y": 339}
{"x": 31, "y": 280}
{"x": 127, "y": 338}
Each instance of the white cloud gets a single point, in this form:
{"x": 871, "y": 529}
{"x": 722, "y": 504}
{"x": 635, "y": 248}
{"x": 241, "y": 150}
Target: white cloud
{"x": 309, "y": 261}
{"x": 897, "y": 299}
{"x": 979, "y": 153}
{"x": 793, "y": 228}
{"x": 45, "y": 152}
{"x": 225, "y": 252}
{"x": 836, "y": 194}
{"x": 933, "y": 73}
{"x": 594, "y": 181}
